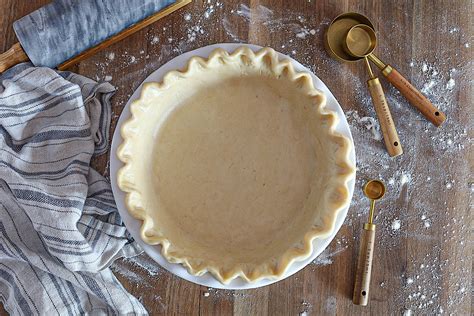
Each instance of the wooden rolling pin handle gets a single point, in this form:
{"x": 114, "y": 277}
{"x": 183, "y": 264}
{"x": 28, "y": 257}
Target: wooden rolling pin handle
{"x": 364, "y": 266}
{"x": 390, "y": 136}
{"x": 415, "y": 97}
{"x": 11, "y": 57}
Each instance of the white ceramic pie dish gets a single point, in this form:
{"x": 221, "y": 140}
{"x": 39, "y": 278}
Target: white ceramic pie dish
{"x": 154, "y": 251}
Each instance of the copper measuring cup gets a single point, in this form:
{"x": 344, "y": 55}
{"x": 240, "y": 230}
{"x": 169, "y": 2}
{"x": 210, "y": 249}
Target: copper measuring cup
{"x": 374, "y": 190}
{"x": 334, "y": 39}
{"x": 359, "y": 43}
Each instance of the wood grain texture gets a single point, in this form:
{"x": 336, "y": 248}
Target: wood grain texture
{"x": 389, "y": 131}
{"x": 415, "y": 97}
{"x": 436, "y": 256}
{"x": 361, "y": 293}
{"x": 11, "y": 57}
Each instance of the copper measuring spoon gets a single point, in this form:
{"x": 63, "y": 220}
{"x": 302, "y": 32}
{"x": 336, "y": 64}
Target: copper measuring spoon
{"x": 334, "y": 39}
{"x": 374, "y": 190}
{"x": 358, "y": 44}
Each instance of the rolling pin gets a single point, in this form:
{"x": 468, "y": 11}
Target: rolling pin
{"x": 65, "y": 32}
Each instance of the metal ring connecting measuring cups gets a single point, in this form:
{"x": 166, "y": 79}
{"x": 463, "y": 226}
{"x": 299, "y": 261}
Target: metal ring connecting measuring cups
{"x": 334, "y": 43}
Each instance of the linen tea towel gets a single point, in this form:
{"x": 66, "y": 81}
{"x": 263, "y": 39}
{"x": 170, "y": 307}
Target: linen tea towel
{"x": 59, "y": 228}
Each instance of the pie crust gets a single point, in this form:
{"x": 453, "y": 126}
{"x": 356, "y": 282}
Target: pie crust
{"x": 233, "y": 165}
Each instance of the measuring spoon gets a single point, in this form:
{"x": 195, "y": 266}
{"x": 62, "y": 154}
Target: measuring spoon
{"x": 334, "y": 43}
{"x": 357, "y": 40}
{"x": 374, "y": 190}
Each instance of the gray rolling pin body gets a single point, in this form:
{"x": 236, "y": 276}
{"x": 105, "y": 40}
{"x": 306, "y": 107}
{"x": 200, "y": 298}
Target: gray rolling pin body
{"x": 65, "y": 28}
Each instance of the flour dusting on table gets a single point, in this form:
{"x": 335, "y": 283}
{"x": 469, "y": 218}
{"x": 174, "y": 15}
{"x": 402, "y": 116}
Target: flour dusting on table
{"x": 429, "y": 169}
{"x": 141, "y": 263}
{"x": 141, "y": 272}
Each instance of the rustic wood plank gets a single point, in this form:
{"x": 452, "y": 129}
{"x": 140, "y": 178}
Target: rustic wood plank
{"x": 430, "y": 257}
{"x": 252, "y": 302}
{"x": 11, "y": 11}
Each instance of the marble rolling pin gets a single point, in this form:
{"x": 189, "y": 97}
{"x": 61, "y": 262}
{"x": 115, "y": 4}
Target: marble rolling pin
{"x": 64, "y": 32}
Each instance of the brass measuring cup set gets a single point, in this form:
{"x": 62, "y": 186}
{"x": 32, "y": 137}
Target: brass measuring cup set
{"x": 351, "y": 37}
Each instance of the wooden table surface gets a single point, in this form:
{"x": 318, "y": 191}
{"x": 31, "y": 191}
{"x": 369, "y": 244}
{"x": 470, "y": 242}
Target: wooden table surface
{"x": 423, "y": 255}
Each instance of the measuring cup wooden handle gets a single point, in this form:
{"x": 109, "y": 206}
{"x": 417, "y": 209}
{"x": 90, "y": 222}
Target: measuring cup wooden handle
{"x": 364, "y": 266}
{"x": 390, "y": 136}
{"x": 415, "y": 97}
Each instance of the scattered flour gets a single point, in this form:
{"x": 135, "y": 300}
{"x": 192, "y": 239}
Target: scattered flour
{"x": 226, "y": 294}
{"x": 289, "y": 23}
{"x": 155, "y": 40}
{"x": 303, "y": 32}
{"x": 405, "y": 178}
{"x": 331, "y": 305}
{"x": 306, "y": 308}
{"x": 370, "y": 123}
{"x": 326, "y": 257}
{"x": 451, "y": 83}
{"x": 255, "y": 15}
{"x": 140, "y": 271}
{"x": 453, "y": 30}
{"x": 424, "y": 67}
{"x": 194, "y": 32}
{"x": 208, "y": 12}
{"x": 428, "y": 87}
{"x": 396, "y": 224}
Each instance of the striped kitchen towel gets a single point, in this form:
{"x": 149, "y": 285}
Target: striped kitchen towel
{"x": 59, "y": 228}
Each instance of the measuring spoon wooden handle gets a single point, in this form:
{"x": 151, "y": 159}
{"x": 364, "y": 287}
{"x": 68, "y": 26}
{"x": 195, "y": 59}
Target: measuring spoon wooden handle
{"x": 364, "y": 266}
{"x": 415, "y": 97}
{"x": 390, "y": 136}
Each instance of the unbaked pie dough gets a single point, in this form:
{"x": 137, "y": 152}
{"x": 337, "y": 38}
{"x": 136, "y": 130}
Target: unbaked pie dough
{"x": 233, "y": 165}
